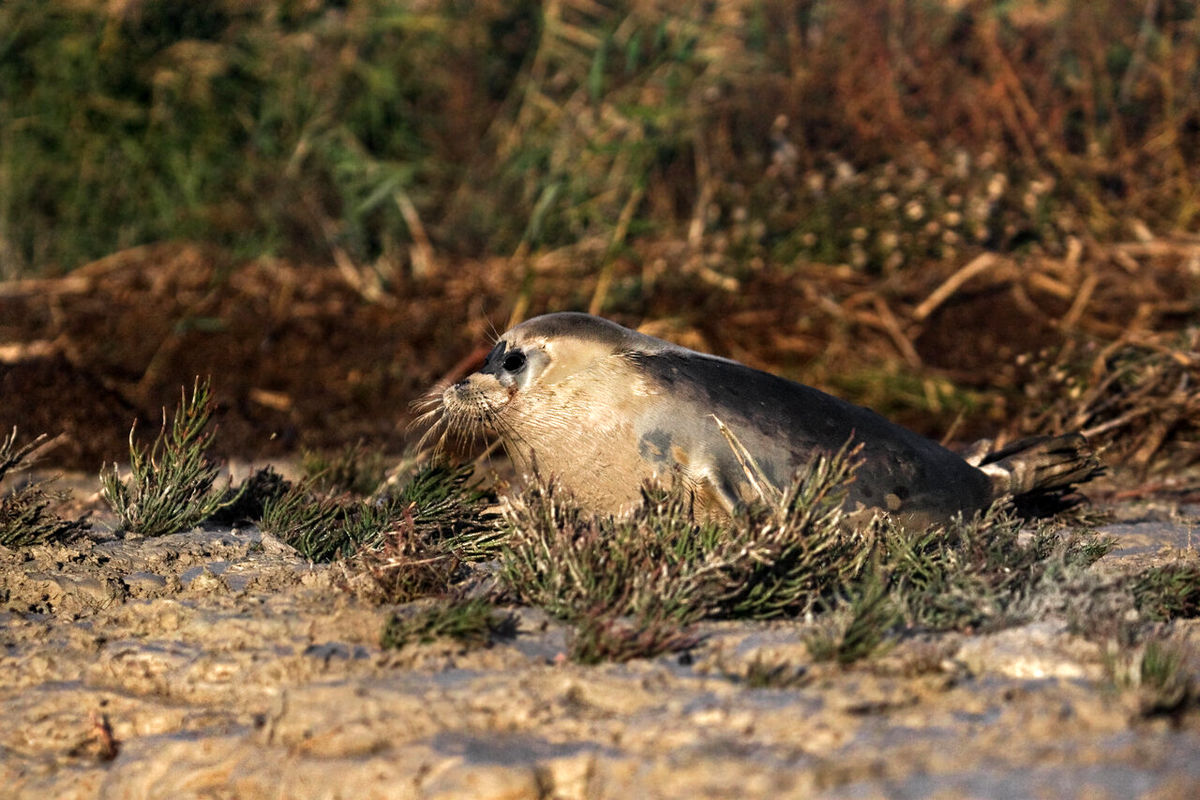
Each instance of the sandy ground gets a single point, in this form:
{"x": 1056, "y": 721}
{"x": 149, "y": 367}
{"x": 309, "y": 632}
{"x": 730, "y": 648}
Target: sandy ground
{"x": 219, "y": 664}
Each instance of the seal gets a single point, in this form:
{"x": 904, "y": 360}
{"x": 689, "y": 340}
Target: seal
{"x": 602, "y": 409}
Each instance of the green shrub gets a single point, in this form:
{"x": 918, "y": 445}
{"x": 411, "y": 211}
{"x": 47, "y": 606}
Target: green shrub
{"x": 25, "y": 516}
{"x": 171, "y": 483}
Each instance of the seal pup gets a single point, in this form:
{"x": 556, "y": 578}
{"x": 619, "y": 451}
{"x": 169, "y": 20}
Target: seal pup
{"x": 603, "y": 409}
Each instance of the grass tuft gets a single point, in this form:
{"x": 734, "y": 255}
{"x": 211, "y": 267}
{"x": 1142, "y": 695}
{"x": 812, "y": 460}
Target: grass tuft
{"x": 794, "y": 553}
{"x": 977, "y": 573}
{"x": 660, "y": 562}
{"x": 405, "y": 566}
{"x": 601, "y": 637}
{"x": 633, "y": 585}
{"x": 248, "y": 501}
{"x": 1167, "y": 686}
{"x": 474, "y": 622}
{"x": 789, "y": 556}
{"x": 437, "y": 508}
{"x": 448, "y": 509}
{"x": 170, "y": 487}
{"x": 862, "y": 628}
{"x": 410, "y": 544}
{"x": 1168, "y": 592}
{"x": 306, "y": 521}
{"x": 573, "y": 563}
{"x": 25, "y": 517}
{"x": 354, "y": 469}
{"x": 1156, "y": 674}
{"x": 769, "y": 674}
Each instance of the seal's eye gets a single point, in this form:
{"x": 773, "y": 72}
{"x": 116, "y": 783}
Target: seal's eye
{"x": 513, "y": 361}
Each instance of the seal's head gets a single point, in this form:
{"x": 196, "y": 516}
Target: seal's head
{"x": 535, "y": 372}
{"x": 564, "y": 395}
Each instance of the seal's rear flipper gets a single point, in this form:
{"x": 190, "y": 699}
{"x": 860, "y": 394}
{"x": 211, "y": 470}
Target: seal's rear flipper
{"x": 1040, "y": 473}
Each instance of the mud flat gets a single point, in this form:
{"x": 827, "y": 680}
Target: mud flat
{"x": 218, "y": 663}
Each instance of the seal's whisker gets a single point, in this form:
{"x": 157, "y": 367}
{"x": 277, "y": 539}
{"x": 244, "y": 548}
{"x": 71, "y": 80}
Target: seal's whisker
{"x": 433, "y": 420}
{"x": 487, "y": 453}
{"x": 515, "y": 442}
{"x": 438, "y": 427}
{"x": 428, "y": 417}
{"x": 427, "y": 401}
{"x": 492, "y": 332}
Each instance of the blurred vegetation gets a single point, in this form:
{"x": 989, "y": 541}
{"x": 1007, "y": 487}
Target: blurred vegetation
{"x": 876, "y": 133}
{"x": 473, "y": 622}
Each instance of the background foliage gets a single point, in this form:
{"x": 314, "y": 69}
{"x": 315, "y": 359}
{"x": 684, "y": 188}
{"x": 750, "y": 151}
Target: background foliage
{"x": 877, "y": 133}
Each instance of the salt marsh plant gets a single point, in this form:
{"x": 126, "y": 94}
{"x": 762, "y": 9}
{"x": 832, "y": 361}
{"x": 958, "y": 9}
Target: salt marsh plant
{"x": 1156, "y": 674}
{"x": 980, "y": 572}
{"x": 355, "y": 469}
{"x": 171, "y": 483}
{"x": 859, "y": 629}
{"x": 600, "y": 637}
{"x": 658, "y": 570}
{"x": 25, "y": 516}
{"x": 474, "y": 622}
{"x": 248, "y": 501}
{"x": 438, "y": 505}
{"x": 767, "y": 673}
{"x": 307, "y": 522}
{"x": 1167, "y": 592}
{"x": 632, "y": 585}
{"x": 411, "y": 543}
{"x": 1165, "y": 679}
